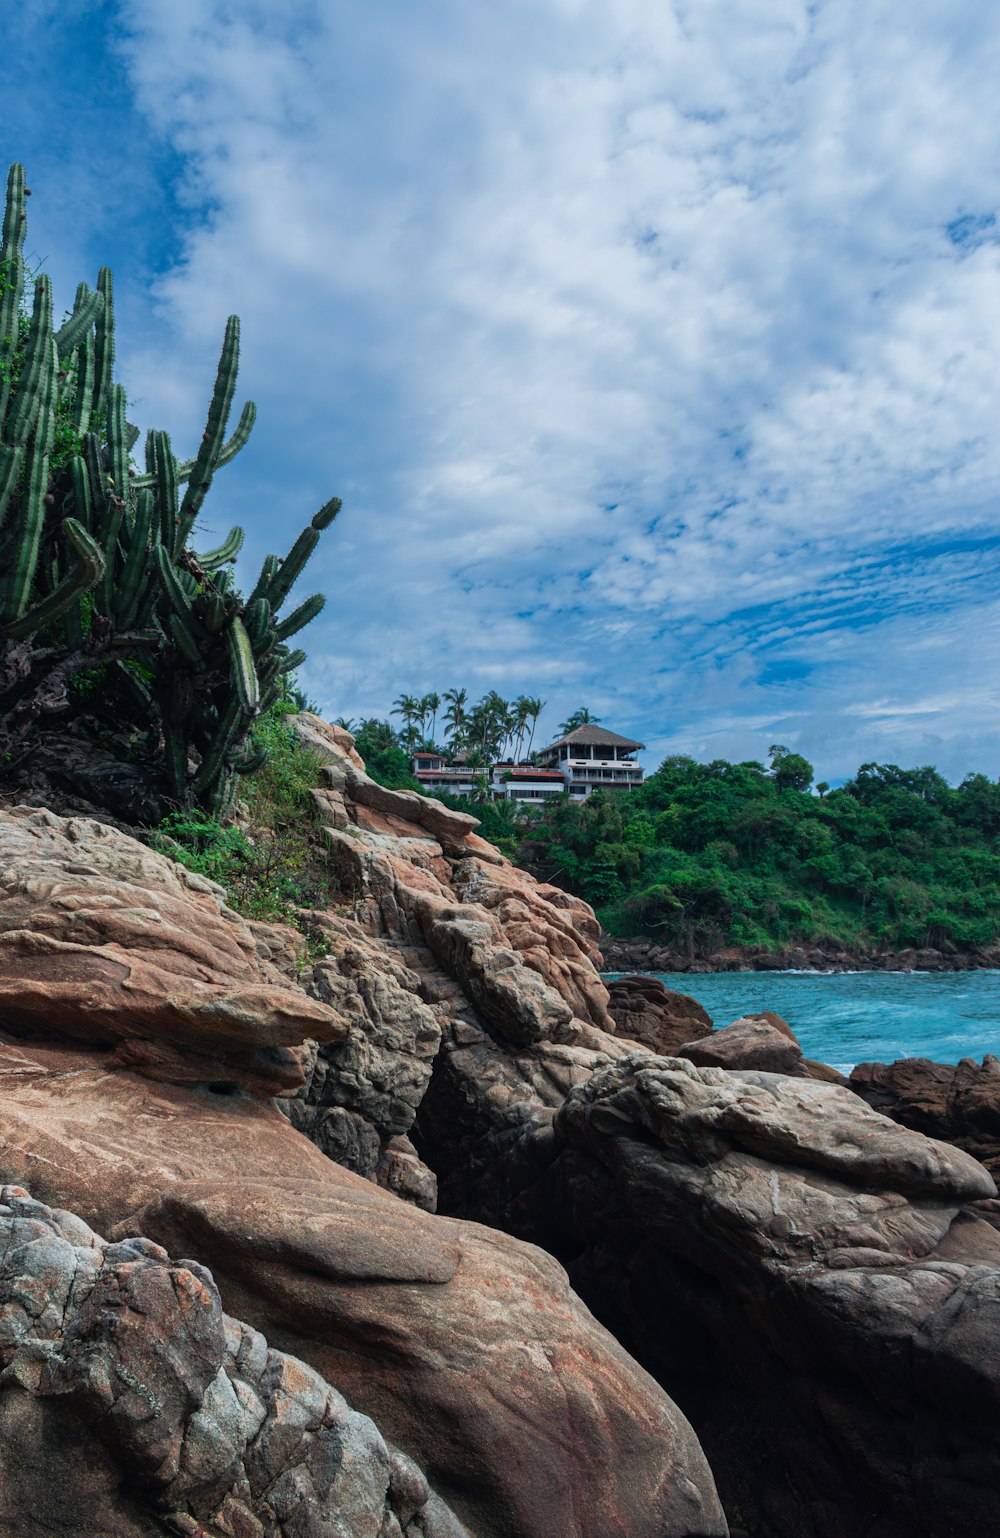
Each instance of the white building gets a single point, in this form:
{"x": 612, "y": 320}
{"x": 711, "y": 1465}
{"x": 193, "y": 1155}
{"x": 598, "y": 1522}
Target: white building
{"x": 591, "y": 757}
{"x": 524, "y": 783}
{"x": 579, "y": 762}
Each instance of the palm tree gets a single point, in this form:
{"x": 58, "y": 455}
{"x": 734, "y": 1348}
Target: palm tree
{"x": 581, "y": 717}
{"x": 536, "y": 706}
{"x": 455, "y": 716}
{"x": 407, "y": 706}
{"x": 522, "y": 715}
{"x": 432, "y": 702}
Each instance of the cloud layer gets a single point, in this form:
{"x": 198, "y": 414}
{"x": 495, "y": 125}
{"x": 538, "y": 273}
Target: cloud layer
{"x": 652, "y": 347}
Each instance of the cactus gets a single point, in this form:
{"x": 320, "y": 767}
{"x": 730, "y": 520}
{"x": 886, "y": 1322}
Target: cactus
{"x": 96, "y": 566}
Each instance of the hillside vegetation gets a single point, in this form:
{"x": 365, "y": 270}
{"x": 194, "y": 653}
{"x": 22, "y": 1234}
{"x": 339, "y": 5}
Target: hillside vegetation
{"x": 708, "y": 855}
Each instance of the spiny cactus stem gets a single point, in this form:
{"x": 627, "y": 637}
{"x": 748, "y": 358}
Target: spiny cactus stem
{"x": 87, "y": 573}
{"x": 25, "y": 560}
{"x": 215, "y": 430}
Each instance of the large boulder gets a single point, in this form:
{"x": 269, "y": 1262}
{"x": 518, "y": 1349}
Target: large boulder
{"x": 472, "y": 991}
{"x": 750, "y": 1042}
{"x": 129, "y": 1400}
{"x": 656, "y": 1017}
{"x": 957, "y": 1102}
{"x": 108, "y": 942}
{"x": 818, "y": 1286}
{"x": 466, "y": 1347}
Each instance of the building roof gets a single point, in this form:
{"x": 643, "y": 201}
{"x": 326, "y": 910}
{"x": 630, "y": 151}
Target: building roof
{"x": 533, "y": 774}
{"x": 594, "y": 736}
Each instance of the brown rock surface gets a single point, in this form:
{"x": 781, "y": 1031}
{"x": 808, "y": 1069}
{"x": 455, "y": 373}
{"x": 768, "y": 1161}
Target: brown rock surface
{"x": 813, "y": 1282}
{"x": 750, "y": 1042}
{"x": 645, "y": 1011}
{"x": 473, "y": 996}
{"x": 957, "y": 1102}
{"x": 465, "y": 1346}
{"x": 130, "y": 1404}
{"x": 104, "y": 940}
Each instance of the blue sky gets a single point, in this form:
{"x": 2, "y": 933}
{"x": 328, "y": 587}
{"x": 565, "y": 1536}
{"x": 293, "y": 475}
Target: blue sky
{"x": 654, "y": 348}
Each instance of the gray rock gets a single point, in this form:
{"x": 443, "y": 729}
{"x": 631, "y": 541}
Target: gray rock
{"x": 118, "y": 1368}
{"x": 820, "y": 1289}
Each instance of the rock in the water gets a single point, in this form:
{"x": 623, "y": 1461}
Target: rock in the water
{"x": 814, "y": 1283}
{"x": 750, "y": 1042}
{"x": 646, "y": 1012}
{"x": 959, "y": 1103}
{"x": 130, "y": 1404}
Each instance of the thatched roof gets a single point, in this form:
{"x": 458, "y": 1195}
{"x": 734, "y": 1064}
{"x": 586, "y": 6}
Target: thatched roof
{"x": 595, "y": 737}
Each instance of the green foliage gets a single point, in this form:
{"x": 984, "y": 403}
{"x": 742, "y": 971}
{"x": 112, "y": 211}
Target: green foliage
{"x": 704, "y": 855}
{"x": 99, "y": 579}
{"x": 272, "y": 864}
{"x": 385, "y": 759}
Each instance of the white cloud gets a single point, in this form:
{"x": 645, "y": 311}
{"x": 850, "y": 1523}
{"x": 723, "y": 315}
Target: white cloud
{"x": 632, "y": 336}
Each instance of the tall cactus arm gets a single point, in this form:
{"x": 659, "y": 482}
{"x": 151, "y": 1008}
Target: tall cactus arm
{"x": 128, "y": 589}
{"x": 327, "y": 513}
{"x": 175, "y": 751}
{"x": 118, "y": 441}
{"x": 84, "y": 316}
{"x": 25, "y": 555}
{"x": 300, "y": 617}
{"x": 84, "y": 393}
{"x": 80, "y": 482}
{"x": 184, "y": 637}
{"x": 252, "y": 761}
{"x": 163, "y": 466}
{"x": 232, "y": 723}
{"x": 94, "y": 461}
{"x": 227, "y": 551}
{"x": 231, "y": 447}
{"x": 243, "y": 666}
{"x": 11, "y": 276}
{"x": 104, "y": 346}
{"x": 267, "y": 575}
{"x": 256, "y": 618}
{"x": 33, "y": 381}
{"x": 291, "y": 567}
{"x": 173, "y": 588}
{"x": 86, "y": 574}
{"x": 11, "y": 456}
{"x": 215, "y": 431}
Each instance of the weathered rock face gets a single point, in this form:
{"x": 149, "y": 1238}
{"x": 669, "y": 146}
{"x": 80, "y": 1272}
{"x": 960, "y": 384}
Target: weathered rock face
{"x": 472, "y": 991}
{"x": 128, "y": 1399}
{"x": 646, "y": 1012}
{"x": 959, "y": 1103}
{"x": 813, "y": 1282}
{"x": 465, "y": 1346}
{"x": 750, "y": 1042}
{"x": 103, "y": 940}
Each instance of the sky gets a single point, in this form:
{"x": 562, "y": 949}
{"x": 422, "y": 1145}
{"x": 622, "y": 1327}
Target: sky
{"x": 653, "y": 347}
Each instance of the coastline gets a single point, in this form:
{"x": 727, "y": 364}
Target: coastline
{"x": 644, "y": 955}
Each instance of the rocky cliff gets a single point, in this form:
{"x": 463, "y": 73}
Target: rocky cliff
{"x": 380, "y": 1165}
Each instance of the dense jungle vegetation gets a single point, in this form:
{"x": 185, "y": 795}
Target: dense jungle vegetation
{"x": 708, "y": 855}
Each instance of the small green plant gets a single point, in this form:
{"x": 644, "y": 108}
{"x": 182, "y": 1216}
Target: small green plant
{"x": 272, "y": 864}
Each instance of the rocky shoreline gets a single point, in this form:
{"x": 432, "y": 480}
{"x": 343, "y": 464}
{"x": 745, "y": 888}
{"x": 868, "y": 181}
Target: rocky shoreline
{"x": 478, "y": 1246}
{"x": 642, "y": 954}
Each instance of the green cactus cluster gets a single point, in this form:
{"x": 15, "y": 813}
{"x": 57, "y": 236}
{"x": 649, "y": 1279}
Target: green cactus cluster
{"x": 96, "y": 565}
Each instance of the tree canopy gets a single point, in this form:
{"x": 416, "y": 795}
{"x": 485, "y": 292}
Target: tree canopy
{"x": 704, "y": 855}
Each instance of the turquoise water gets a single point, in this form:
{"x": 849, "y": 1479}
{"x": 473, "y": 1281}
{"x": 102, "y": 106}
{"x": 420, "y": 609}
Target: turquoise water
{"x": 844, "y": 1018}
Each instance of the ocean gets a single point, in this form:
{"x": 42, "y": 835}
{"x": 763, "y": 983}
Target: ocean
{"x": 843, "y": 1018}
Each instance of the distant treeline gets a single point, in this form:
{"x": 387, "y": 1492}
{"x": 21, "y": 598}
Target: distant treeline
{"x": 707, "y": 855}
